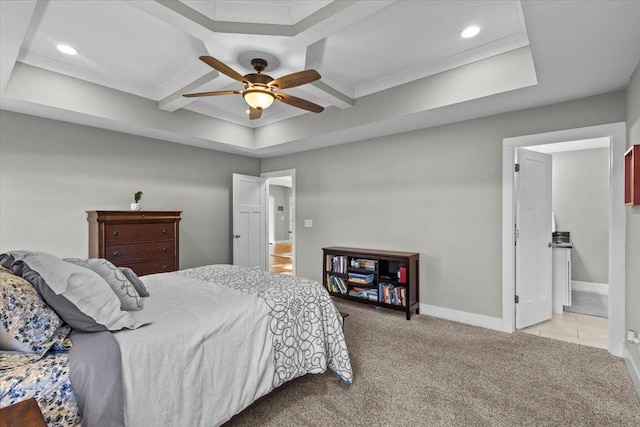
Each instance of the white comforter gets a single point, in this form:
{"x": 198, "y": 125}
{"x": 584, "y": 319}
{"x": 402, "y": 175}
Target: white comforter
{"x": 221, "y": 337}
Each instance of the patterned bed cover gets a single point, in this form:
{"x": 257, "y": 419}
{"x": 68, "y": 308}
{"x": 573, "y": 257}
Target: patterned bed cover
{"x": 24, "y": 376}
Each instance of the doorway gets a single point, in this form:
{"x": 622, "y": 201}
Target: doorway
{"x": 579, "y": 214}
{"x": 616, "y": 133}
{"x": 281, "y": 221}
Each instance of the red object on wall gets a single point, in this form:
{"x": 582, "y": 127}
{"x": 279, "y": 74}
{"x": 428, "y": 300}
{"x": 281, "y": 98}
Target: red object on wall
{"x": 403, "y": 275}
{"x": 632, "y": 176}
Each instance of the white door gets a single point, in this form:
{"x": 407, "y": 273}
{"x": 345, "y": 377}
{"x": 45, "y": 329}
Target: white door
{"x": 249, "y": 221}
{"x": 533, "y": 237}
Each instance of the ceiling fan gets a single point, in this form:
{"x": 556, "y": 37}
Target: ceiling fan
{"x": 260, "y": 90}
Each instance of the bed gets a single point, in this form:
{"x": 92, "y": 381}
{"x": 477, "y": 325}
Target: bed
{"x": 205, "y": 344}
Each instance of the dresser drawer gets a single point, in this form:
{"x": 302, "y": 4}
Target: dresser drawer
{"x": 122, "y": 233}
{"x": 152, "y": 267}
{"x": 133, "y": 252}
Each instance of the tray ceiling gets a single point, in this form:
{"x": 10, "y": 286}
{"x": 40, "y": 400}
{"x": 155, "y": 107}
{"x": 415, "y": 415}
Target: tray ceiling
{"x": 386, "y": 66}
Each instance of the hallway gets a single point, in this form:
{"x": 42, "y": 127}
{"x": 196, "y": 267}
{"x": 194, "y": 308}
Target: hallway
{"x": 280, "y": 258}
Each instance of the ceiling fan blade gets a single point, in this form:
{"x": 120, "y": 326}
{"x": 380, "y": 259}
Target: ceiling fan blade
{"x": 299, "y": 102}
{"x": 223, "y": 68}
{"x": 295, "y": 79}
{"x": 255, "y": 113}
{"x": 220, "y": 92}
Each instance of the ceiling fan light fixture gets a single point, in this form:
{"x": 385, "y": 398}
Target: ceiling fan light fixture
{"x": 258, "y": 98}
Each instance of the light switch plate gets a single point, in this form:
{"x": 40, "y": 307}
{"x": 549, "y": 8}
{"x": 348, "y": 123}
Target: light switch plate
{"x": 308, "y": 223}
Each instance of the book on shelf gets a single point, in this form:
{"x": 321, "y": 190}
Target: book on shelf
{"x": 361, "y": 278}
{"x": 336, "y": 284}
{"x": 336, "y": 263}
{"x": 392, "y": 294}
{"x": 402, "y": 274}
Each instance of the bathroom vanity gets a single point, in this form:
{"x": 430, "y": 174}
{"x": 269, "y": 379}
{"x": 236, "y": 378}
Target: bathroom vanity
{"x": 561, "y": 278}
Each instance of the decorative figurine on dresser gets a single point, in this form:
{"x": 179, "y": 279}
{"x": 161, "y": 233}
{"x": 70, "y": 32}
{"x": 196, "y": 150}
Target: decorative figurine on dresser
{"x": 145, "y": 241}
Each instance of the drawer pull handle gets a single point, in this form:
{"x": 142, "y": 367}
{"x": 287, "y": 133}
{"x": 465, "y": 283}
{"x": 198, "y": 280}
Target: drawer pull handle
{"x": 164, "y": 267}
{"x": 116, "y": 253}
{"x": 165, "y": 249}
{"x": 165, "y": 231}
{"x": 116, "y": 233}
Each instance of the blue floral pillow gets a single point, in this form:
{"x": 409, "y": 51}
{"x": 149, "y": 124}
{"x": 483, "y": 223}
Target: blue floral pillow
{"x": 27, "y": 323}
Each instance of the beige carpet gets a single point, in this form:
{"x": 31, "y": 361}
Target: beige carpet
{"x": 432, "y": 372}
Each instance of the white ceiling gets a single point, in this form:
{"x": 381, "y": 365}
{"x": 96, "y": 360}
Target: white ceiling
{"x": 386, "y": 66}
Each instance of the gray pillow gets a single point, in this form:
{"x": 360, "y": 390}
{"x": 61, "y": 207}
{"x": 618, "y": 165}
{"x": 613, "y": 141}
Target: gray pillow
{"x": 80, "y": 297}
{"x": 133, "y": 278}
{"x": 124, "y": 290}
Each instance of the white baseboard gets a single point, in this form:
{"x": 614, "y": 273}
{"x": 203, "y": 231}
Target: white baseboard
{"x": 598, "y": 288}
{"x": 481, "y": 320}
{"x": 634, "y": 372}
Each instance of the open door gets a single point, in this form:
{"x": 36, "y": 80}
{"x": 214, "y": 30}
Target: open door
{"x": 249, "y": 221}
{"x": 533, "y": 237}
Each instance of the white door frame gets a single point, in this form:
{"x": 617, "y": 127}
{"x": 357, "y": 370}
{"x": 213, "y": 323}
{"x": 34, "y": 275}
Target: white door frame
{"x": 617, "y": 132}
{"x": 292, "y": 174}
{"x": 271, "y": 229}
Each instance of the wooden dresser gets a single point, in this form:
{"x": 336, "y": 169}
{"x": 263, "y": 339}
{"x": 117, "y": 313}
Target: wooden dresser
{"x": 145, "y": 241}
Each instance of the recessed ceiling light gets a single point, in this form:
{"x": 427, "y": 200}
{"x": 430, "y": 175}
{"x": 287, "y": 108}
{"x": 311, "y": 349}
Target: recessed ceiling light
{"x": 470, "y": 32}
{"x": 67, "y": 49}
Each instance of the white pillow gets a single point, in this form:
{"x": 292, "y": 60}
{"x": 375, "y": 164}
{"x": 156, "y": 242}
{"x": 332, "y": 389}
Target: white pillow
{"x": 129, "y": 298}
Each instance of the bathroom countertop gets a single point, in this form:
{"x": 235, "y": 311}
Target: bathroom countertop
{"x": 561, "y": 239}
{"x": 562, "y": 245}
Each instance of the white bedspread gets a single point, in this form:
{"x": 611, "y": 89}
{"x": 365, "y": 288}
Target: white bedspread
{"x": 222, "y": 336}
{"x": 206, "y": 355}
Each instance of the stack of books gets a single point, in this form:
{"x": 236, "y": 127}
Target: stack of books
{"x": 365, "y": 293}
{"x": 392, "y": 294}
{"x": 363, "y": 279}
{"x": 367, "y": 264}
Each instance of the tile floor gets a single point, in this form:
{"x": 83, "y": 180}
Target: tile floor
{"x": 576, "y": 328}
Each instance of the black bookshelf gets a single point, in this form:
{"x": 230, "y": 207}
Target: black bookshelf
{"x": 387, "y": 279}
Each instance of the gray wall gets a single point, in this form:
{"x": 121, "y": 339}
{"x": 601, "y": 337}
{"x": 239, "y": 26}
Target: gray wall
{"x": 435, "y": 191}
{"x": 633, "y": 219}
{"x": 581, "y": 206}
{"x": 51, "y": 172}
{"x": 281, "y": 196}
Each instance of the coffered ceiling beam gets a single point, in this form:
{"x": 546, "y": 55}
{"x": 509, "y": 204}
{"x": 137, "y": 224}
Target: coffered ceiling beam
{"x": 15, "y": 18}
{"x": 175, "y": 100}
